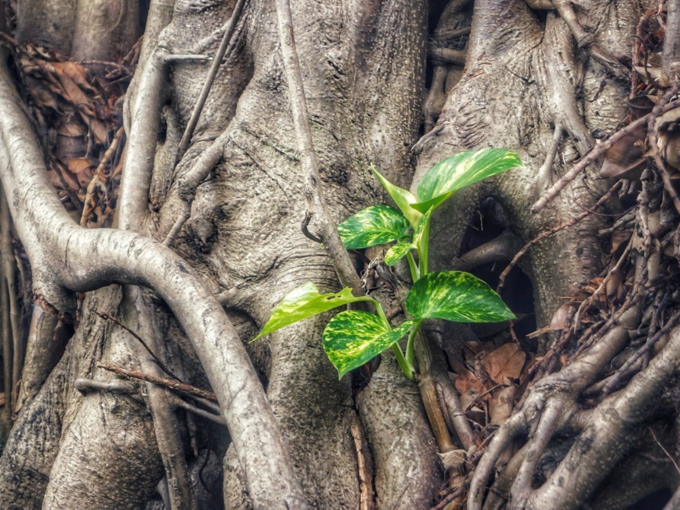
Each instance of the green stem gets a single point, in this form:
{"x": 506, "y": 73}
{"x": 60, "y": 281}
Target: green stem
{"x": 404, "y": 364}
{"x": 424, "y": 250}
{"x": 410, "y": 343}
{"x": 381, "y": 314}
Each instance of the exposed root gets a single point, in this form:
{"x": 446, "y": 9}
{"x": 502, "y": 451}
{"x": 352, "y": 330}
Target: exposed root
{"x": 592, "y": 156}
{"x": 442, "y": 58}
{"x": 502, "y": 247}
{"x": 653, "y": 142}
{"x": 189, "y": 181}
{"x": 550, "y": 406}
{"x": 365, "y": 463}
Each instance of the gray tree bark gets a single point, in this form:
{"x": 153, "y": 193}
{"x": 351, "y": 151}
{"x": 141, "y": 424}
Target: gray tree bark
{"x": 291, "y": 436}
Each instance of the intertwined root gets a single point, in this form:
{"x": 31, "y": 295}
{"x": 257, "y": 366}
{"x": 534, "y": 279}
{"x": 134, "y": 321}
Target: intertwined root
{"x": 606, "y": 433}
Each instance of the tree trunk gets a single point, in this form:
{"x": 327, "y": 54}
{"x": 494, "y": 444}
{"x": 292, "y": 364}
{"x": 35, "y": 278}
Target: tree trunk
{"x": 207, "y": 241}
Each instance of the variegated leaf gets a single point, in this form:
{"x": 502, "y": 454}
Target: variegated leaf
{"x": 305, "y": 302}
{"x": 378, "y": 224}
{"x": 401, "y": 197}
{"x": 448, "y": 176}
{"x": 353, "y": 338}
{"x": 398, "y": 252}
{"x": 456, "y": 296}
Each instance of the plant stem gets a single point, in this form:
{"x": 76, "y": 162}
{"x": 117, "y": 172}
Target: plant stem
{"x": 404, "y": 364}
{"x": 424, "y": 250}
{"x": 380, "y": 312}
{"x": 415, "y": 271}
{"x": 411, "y": 338}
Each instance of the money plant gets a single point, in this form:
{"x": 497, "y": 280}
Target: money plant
{"x": 354, "y": 337}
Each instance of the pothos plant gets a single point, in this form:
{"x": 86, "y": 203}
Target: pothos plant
{"x": 354, "y": 337}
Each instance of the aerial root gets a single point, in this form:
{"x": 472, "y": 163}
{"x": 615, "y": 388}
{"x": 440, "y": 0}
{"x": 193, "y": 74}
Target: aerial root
{"x": 506, "y": 433}
{"x": 547, "y": 424}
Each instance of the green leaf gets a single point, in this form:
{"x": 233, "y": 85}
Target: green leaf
{"x": 378, "y": 224}
{"x": 401, "y": 197}
{"x": 305, "y": 302}
{"x": 448, "y": 176}
{"x": 457, "y": 297}
{"x": 353, "y": 338}
{"x": 398, "y": 252}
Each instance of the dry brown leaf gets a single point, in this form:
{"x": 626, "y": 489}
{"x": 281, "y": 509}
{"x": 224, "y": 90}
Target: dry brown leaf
{"x": 502, "y": 404}
{"x": 71, "y": 129}
{"x": 77, "y": 165}
{"x": 506, "y": 361}
{"x": 98, "y": 128}
{"x": 76, "y": 73}
{"x": 559, "y": 320}
{"x": 466, "y": 380}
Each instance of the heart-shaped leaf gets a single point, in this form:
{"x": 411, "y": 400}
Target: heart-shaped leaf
{"x": 353, "y": 338}
{"x": 397, "y": 252}
{"x": 401, "y": 197}
{"x": 456, "y": 296}
{"x": 378, "y": 224}
{"x": 305, "y": 302}
{"x": 448, "y": 176}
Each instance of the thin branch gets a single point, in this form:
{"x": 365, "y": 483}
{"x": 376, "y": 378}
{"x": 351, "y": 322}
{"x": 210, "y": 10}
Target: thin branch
{"x": 9, "y": 278}
{"x": 214, "y": 69}
{"x": 7, "y": 345}
{"x": 161, "y": 381}
{"x": 544, "y": 173}
{"x": 587, "y": 303}
{"x": 162, "y": 366}
{"x": 138, "y": 311}
{"x": 178, "y": 402}
{"x": 188, "y": 182}
{"x": 671, "y": 42}
{"x": 614, "y": 382}
{"x": 677, "y": 468}
{"x": 305, "y": 228}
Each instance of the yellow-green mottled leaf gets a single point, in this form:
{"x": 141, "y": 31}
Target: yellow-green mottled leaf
{"x": 398, "y": 252}
{"x": 456, "y": 296}
{"x": 378, "y": 224}
{"x": 402, "y": 198}
{"x": 353, "y": 338}
{"x": 448, "y": 176}
{"x": 305, "y": 302}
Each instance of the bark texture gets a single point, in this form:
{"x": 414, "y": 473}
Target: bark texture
{"x": 535, "y": 79}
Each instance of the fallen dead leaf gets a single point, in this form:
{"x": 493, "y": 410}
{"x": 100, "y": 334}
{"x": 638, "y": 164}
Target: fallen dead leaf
{"x": 506, "y": 361}
{"x": 501, "y": 404}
